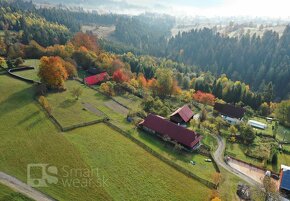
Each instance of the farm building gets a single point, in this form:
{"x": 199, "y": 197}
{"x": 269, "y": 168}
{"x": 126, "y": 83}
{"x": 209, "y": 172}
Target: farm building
{"x": 230, "y": 113}
{"x": 284, "y": 185}
{"x": 96, "y": 79}
{"x": 162, "y": 127}
{"x": 182, "y": 115}
{"x": 257, "y": 124}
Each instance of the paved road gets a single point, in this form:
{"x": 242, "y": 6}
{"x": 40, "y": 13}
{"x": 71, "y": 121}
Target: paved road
{"x": 219, "y": 158}
{"x": 23, "y": 188}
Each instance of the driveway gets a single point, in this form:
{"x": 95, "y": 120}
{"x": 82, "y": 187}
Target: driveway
{"x": 219, "y": 158}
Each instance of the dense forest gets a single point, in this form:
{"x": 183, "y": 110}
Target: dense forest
{"x": 255, "y": 60}
{"x": 261, "y": 62}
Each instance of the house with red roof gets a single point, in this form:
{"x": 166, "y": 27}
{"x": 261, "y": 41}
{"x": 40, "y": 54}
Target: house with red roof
{"x": 182, "y": 115}
{"x": 162, "y": 127}
{"x": 96, "y": 79}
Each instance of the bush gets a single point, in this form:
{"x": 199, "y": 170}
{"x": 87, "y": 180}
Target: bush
{"x": 44, "y": 103}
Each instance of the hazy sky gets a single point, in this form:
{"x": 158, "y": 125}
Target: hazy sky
{"x": 270, "y": 8}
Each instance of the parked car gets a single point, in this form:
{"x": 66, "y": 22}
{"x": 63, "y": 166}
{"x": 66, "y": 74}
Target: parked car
{"x": 207, "y": 160}
{"x": 192, "y": 162}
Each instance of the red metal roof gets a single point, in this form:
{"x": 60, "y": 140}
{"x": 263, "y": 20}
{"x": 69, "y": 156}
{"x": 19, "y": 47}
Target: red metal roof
{"x": 95, "y": 79}
{"x": 164, "y": 127}
{"x": 184, "y": 112}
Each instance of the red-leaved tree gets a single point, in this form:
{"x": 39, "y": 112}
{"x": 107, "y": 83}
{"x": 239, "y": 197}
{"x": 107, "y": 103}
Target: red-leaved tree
{"x": 205, "y": 98}
{"x": 120, "y": 76}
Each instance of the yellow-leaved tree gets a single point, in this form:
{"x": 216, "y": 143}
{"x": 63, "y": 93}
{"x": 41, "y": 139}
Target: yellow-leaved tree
{"x": 52, "y": 72}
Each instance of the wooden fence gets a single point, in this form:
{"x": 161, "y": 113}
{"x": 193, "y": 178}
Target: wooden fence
{"x": 162, "y": 158}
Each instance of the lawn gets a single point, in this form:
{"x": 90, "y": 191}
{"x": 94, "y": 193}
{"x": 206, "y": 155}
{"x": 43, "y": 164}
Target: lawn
{"x": 30, "y": 74}
{"x": 237, "y": 150}
{"x": 131, "y": 172}
{"x": 7, "y": 194}
{"x": 181, "y": 158}
{"x": 131, "y": 101}
{"x": 268, "y": 130}
{"x": 283, "y": 133}
{"x": 28, "y": 136}
{"x": 68, "y": 111}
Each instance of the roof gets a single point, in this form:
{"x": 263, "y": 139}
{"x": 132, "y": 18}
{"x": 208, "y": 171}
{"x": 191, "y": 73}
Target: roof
{"x": 257, "y": 124}
{"x": 229, "y": 110}
{"x": 184, "y": 112}
{"x": 95, "y": 79}
{"x": 164, "y": 127}
{"x": 285, "y": 181}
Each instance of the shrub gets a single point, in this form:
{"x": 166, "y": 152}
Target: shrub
{"x": 44, "y": 103}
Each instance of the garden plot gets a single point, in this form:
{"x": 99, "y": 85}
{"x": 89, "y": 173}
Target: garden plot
{"x": 113, "y": 105}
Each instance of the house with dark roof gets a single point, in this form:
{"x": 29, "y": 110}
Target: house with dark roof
{"x": 96, "y": 79}
{"x": 284, "y": 184}
{"x": 182, "y": 115}
{"x": 162, "y": 127}
{"x": 230, "y": 113}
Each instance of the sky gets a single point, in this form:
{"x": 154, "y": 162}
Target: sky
{"x": 253, "y": 8}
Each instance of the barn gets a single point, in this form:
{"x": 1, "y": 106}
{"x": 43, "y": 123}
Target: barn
{"x": 284, "y": 185}
{"x": 182, "y": 115}
{"x": 155, "y": 124}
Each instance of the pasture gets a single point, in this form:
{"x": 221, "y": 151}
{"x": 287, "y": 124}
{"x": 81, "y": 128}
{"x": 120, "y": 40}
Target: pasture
{"x": 28, "y": 136}
{"x": 131, "y": 172}
{"x": 30, "y": 74}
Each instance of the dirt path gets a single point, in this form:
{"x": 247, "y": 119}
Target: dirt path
{"x": 219, "y": 158}
{"x": 23, "y": 188}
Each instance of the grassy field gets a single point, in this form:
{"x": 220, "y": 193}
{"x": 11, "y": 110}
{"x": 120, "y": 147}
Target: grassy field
{"x": 69, "y": 111}
{"x": 28, "y": 136}
{"x": 132, "y": 172}
{"x": 131, "y": 101}
{"x": 7, "y": 194}
{"x": 30, "y": 74}
{"x": 183, "y": 159}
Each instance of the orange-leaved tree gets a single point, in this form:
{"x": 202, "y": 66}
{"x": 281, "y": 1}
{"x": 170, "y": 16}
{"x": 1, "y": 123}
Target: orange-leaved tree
{"x": 205, "y": 98}
{"x": 88, "y": 41}
{"x": 52, "y": 72}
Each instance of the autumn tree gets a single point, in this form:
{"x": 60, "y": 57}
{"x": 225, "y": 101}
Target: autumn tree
{"x": 120, "y": 76}
{"x": 142, "y": 80}
{"x": 70, "y": 69}
{"x": 166, "y": 84}
{"x": 205, "y": 98}
{"x": 2, "y": 60}
{"x": 108, "y": 88}
{"x": 85, "y": 40}
{"x": 52, "y": 72}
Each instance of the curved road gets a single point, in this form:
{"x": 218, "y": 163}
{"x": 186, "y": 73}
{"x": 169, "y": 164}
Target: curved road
{"x": 23, "y": 188}
{"x": 219, "y": 158}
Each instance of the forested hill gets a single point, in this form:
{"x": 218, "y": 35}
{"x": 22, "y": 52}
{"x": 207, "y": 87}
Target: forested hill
{"x": 255, "y": 60}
